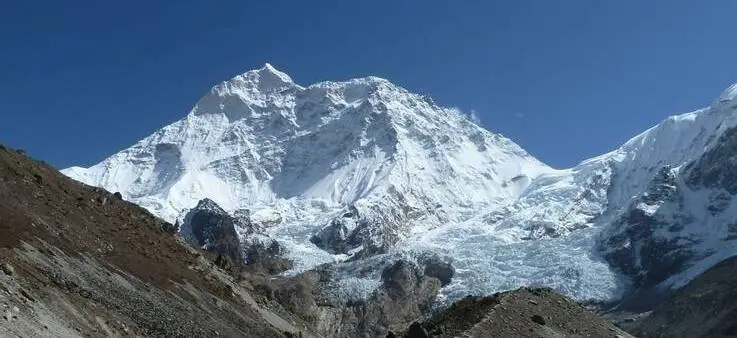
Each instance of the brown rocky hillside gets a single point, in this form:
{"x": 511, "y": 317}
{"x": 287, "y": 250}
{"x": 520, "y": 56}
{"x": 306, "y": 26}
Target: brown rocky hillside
{"x": 77, "y": 261}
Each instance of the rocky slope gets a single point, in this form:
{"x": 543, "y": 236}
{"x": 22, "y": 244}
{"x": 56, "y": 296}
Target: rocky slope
{"x": 526, "y": 312}
{"x": 404, "y": 294}
{"x": 705, "y": 307}
{"x": 79, "y": 261}
{"x": 365, "y": 172}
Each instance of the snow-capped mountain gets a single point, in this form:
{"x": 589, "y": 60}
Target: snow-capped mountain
{"x": 365, "y": 169}
{"x": 262, "y": 142}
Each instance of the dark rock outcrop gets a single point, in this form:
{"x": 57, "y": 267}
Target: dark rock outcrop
{"x": 171, "y": 228}
{"x": 212, "y": 228}
{"x": 438, "y": 268}
{"x": 717, "y": 168}
{"x": 208, "y": 226}
{"x": 404, "y": 279}
{"x": 404, "y": 295}
{"x": 266, "y": 258}
{"x": 633, "y": 246}
{"x": 335, "y": 237}
{"x": 705, "y": 307}
{"x": 345, "y": 233}
{"x": 364, "y": 232}
{"x": 400, "y": 278}
{"x": 659, "y": 235}
{"x": 417, "y": 331}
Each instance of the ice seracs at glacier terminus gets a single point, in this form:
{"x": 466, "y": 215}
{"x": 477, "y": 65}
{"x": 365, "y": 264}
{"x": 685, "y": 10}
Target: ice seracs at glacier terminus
{"x": 365, "y": 171}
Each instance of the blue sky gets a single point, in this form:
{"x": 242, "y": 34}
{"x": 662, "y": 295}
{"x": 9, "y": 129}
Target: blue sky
{"x": 570, "y": 79}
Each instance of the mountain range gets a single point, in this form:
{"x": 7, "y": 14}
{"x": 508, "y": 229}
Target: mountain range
{"x": 361, "y": 173}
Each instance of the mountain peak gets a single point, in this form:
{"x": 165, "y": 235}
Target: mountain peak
{"x": 259, "y": 138}
{"x": 269, "y": 72}
{"x": 265, "y": 79}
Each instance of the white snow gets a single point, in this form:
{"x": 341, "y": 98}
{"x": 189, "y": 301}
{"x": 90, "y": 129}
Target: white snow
{"x": 297, "y": 156}
{"x": 728, "y": 96}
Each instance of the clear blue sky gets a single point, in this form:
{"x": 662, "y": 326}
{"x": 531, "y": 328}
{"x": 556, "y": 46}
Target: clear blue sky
{"x": 80, "y": 80}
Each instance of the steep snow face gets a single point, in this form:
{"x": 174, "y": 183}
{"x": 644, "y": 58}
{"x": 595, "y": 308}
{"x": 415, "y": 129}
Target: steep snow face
{"x": 260, "y": 138}
{"x": 367, "y": 170}
{"x": 675, "y": 214}
{"x": 300, "y": 157}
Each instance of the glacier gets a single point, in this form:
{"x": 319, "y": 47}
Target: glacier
{"x": 367, "y": 166}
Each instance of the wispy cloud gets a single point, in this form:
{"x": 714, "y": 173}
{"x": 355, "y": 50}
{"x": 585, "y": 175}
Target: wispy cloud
{"x": 519, "y": 115}
{"x": 474, "y": 116}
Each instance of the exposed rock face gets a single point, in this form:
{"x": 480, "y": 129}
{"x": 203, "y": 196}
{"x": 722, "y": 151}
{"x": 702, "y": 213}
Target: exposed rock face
{"x": 400, "y": 279}
{"x": 417, "y": 331}
{"x": 211, "y": 228}
{"x": 242, "y": 221}
{"x": 717, "y": 168}
{"x": 686, "y": 215}
{"x": 404, "y": 295}
{"x": 705, "y": 307}
{"x": 266, "y": 258}
{"x": 438, "y": 268}
{"x": 362, "y": 232}
{"x": 636, "y": 249}
{"x": 526, "y": 312}
{"x": 341, "y": 234}
{"x": 662, "y": 188}
{"x": 405, "y": 282}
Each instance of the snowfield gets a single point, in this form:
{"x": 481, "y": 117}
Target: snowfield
{"x": 366, "y": 164}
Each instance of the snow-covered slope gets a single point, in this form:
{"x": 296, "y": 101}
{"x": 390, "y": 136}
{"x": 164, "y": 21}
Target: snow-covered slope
{"x": 260, "y": 138}
{"x": 685, "y": 219}
{"x": 363, "y": 166}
